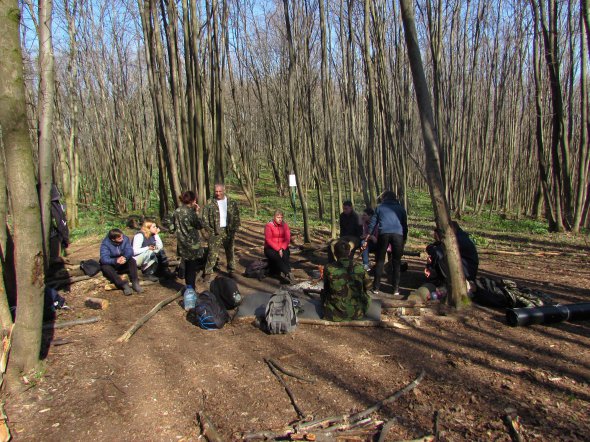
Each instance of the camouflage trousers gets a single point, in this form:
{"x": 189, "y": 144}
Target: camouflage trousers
{"x": 215, "y": 243}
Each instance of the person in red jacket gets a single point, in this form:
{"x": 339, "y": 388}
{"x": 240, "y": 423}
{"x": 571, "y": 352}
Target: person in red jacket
{"x": 277, "y": 237}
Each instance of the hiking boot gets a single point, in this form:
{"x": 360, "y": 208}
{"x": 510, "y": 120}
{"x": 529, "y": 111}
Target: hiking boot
{"x": 151, "y": 278}
{"x": 127, "y": 290}
{"x": 374, "y": 291}
{"x": 367, "y": 267}
{"x": 135, "y": 285}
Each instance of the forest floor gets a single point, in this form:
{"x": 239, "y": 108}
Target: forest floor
{"x": 477, "y": 367}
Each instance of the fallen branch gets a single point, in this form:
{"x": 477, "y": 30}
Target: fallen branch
{"x": 143, "y": 283}
{"x": 208, "y": 429}
{"x": 385, "y": 429}
{"x": 382, "y": 324}
{"x": 127, "y": 335}
{"x": 388, "y": 400}
{"x": 428, "y": 438}
{"x": 290, "y": 373}
{"x": 300, "y": 413}
{"x": 67, "y": 281}
{"x": 52, "y": 325}
{"x": 509, "y": 252}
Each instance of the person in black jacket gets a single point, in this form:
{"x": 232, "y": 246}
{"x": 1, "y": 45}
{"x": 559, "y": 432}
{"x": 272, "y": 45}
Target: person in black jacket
{"x": 59, "y": 233}
{"x": 436, "y": 269}
{"x": 351, "y": 230}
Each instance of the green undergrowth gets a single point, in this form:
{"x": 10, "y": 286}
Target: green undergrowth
{"x": 421, "y": 217}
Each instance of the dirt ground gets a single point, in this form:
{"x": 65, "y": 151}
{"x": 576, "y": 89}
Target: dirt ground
{"x": 152, "y": 387}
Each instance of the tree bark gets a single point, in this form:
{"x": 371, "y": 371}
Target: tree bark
{"x": 46, "y": 107}
{"x": 20, "y": 177}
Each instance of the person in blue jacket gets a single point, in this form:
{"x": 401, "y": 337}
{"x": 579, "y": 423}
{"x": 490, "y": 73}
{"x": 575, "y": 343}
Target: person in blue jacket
{"x": 116, "y": 257}
{"x": 391, "y": 220}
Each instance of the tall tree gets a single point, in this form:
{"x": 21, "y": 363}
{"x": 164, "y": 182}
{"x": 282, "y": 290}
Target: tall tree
{"x": 20, "y": 178}
{"x": 458, "y": 290}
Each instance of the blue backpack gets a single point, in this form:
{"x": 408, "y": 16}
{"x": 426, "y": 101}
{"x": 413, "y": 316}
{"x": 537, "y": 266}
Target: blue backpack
{"x": 209, "y": 313}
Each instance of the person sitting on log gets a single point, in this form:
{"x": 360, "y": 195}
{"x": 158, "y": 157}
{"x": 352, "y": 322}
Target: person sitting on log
{"x": 148, "y": 251}
{"x": 351, "y": 229}
{"x": 436, "y": 270}
{"x": 346, "y": 284}
{"x": 116, "y": 257}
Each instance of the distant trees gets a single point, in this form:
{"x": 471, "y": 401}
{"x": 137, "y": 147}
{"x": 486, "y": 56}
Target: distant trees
{"x": 181, "y": 93}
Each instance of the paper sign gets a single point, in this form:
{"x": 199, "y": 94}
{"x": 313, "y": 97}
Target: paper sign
{"x": 292, "y": 181}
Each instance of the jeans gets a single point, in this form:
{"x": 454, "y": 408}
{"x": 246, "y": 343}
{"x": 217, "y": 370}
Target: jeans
{"x": 397, "y": 250}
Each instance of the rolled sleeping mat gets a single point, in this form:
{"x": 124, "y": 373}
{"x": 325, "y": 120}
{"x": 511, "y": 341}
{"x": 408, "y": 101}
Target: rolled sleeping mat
{"x": 550, "y": 314}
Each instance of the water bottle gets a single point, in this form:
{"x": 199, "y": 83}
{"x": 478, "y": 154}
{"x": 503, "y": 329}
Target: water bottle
{"x": 190, "y": 298}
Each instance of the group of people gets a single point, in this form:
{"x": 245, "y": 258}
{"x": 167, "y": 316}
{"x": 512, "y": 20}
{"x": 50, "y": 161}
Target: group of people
{"x": 347, "y": 285}
{"x": 220, "y": 218}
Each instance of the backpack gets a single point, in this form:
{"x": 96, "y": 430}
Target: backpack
{"x": 90, "y": 267}
{"x": 209, "y": 313}
{"x": 280, "y": 314}
{"x": 504, "y": 293}
{"x": 226, "y": 290}
{"x": 257, "y": 269}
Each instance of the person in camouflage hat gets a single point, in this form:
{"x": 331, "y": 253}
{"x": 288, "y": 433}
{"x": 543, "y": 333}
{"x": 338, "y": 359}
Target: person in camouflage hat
{"x": 187, "y": 223}
{"x": 345, "y": 296}
{"x": 221, "y": 217}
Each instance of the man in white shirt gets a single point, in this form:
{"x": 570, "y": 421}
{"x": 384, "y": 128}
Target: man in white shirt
{"x": 221, "y": 217}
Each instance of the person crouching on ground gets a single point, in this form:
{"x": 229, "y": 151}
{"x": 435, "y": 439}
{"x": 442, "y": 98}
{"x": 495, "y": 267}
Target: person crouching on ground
{"x": 148, "y": 251}
{"x": 277, "y": 238}
{"x": 345, "y": 296}
{"x": 116, "y": 256}
{"x": 187, "y": 223}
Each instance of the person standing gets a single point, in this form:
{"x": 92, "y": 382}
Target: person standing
{"x": 391, "y": 220}
{"x": 351, "y": 230}
{"x": 59, "y": 233}
{"x": 277, "y": 238}
{"x": 186, "y": 225}
{"x": 116, "y": 257}
{"x": 221, "y": 218}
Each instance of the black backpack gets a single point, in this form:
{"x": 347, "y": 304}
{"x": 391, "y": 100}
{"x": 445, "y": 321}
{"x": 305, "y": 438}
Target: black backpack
{"x": 227, "y": 291}
{"x": 90, "y": 267}
{"x": 209, "y": 313}
{"x": 257, "y": 269}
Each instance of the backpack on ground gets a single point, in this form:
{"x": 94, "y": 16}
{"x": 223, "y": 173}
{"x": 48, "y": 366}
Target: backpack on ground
{"x": 504, "y": 293}
{"x": 227, "y": 291}
{"x": 280, "y": 314}
{"x": 209, "y": 313}
{"x": 257, "y": 269}
{"x": 90, "y": 267}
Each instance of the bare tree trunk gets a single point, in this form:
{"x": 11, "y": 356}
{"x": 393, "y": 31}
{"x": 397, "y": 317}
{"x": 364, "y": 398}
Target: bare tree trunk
{"x": 327, "y": 119}
{"x": 5, "y": 315}
{"x": 46, "y": 107}
{"x": 291, "y": 118}
{"x": 20, "y": 178}
{"x": 458, "y": 289}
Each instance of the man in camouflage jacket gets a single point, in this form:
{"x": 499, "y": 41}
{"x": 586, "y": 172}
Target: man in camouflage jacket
{"x": 344, "y": 296}
{"x": 221, "y": 218}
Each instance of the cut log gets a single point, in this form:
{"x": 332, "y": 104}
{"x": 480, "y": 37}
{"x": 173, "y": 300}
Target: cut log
{"x": 127, "y": 335}
{"x": 97, "y": 303}
{"x": 307, "y": 321}
{"x": 52, "y": 325}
